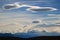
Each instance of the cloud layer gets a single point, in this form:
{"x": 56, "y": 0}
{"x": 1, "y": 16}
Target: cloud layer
{"x": 19, "y": 23}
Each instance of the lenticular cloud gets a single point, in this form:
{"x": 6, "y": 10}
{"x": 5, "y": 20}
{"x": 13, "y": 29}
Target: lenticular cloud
{"x": 41, "y": 9}
{"x": 31, "y": 8}
{"x": 15, "y": 6}
{"x": 12, "y": 6}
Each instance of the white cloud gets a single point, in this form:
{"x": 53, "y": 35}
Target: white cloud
{"x": 25, "y": 25}
{"x": 22, "y": 23}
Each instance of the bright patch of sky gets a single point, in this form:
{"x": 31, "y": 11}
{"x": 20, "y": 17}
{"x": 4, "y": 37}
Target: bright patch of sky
{"x": 21, "y": 21}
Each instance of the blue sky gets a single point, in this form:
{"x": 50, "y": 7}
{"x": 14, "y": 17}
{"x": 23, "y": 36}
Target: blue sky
{"x": 20, "y": 20}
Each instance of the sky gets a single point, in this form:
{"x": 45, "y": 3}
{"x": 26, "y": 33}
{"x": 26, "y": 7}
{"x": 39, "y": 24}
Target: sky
{"x": 18, "y": 20}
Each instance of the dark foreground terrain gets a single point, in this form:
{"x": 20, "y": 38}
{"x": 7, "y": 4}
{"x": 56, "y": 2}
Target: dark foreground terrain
{"x": 34, "y": 38}
{"x": 9, "y": 36}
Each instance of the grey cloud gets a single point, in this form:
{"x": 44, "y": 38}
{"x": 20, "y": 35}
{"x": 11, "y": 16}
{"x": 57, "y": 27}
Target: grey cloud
{"x": 12, "y": 6}
{"x": 35, "y": 22}
{"x": 9, "y": 7}
{"x": 31, "y": 8}
{"x": 15, "y": 5}
{"x": 42, "y": 9}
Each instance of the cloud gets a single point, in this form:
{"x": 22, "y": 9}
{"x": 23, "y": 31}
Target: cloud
{"x": 41, "y": 9}
{"x": 35, "y": 22}
{"x": 23, "y": 23}
{"x": 13, "y": 6}
{"x": 31, "y": 8}
{"x": 16, "y": 26}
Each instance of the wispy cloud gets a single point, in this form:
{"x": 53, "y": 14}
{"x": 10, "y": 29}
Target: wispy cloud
{"x": 24, "y": 25}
